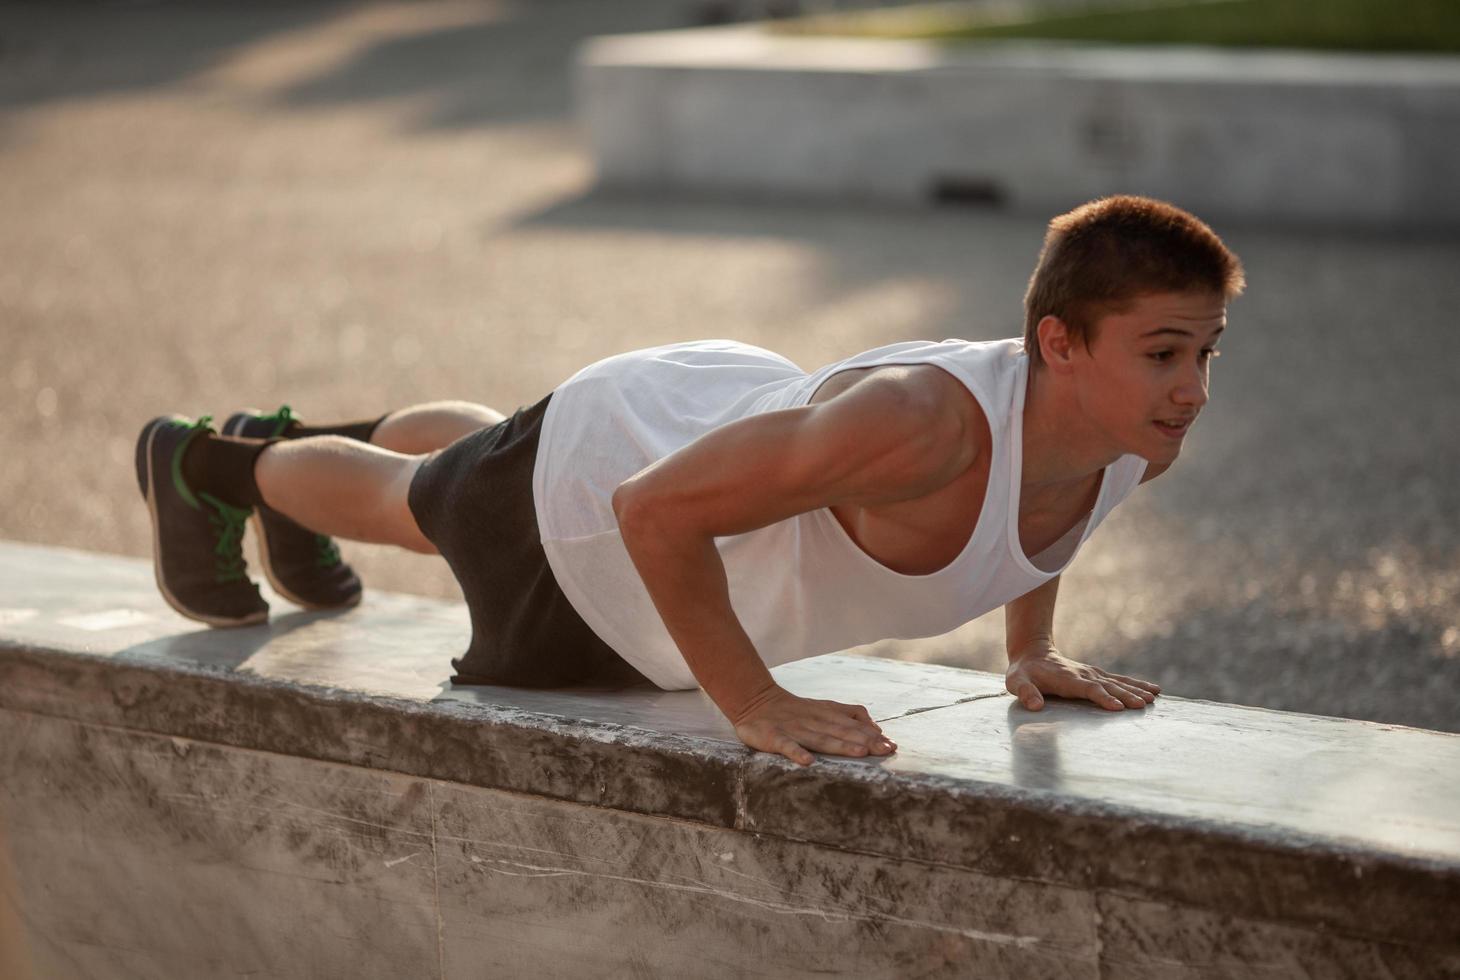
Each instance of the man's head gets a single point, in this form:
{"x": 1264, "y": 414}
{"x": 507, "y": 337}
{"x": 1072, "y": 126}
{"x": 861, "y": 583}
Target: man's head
{"x": 1101, "y": 257}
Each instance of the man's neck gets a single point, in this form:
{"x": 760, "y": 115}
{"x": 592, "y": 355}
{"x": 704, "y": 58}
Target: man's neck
{"x": 1059, "y": 447}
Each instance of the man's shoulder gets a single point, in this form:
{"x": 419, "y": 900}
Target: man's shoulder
{"x": 911, "y": 398}
{"x": 929, "y": 384}
{"x": 947, "y": 415}
{"x": 947, "y": 396}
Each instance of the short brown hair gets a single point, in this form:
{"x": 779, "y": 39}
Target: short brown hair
{"x": 1103, "y": 255}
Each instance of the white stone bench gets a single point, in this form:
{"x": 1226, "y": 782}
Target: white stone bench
{"x": 312, "y": 798}
{"x": 1271, "y": 136}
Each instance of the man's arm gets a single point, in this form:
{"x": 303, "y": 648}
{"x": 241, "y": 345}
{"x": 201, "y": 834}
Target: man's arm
{"x": 1029, "y": 621}
{"x": 891, "y": 436}
{"x": 1035, "y": 665}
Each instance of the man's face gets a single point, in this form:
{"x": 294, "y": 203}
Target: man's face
{"x": 1147, "y": 375}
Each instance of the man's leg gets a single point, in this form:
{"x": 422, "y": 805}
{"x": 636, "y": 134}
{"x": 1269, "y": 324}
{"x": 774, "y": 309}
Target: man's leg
{"x": 343, "y": 488}
{"x": 201, "y": 488}
{"x": 435, "y": 425}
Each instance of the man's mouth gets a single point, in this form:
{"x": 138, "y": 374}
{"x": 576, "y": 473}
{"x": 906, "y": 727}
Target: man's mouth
{"x": 1174, "y": 428}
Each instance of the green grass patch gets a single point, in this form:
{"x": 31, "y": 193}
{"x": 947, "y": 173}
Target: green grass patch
{"x": 1431, "y": 26}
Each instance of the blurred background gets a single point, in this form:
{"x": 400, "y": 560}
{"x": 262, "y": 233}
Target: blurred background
{"x": 354, "y": 207}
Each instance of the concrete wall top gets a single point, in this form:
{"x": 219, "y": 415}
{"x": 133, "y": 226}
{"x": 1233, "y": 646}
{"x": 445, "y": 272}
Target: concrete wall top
{"x": 1279, "y": 137}
{"x": 753, "y": 48}
{"x": 1343, "y": 824}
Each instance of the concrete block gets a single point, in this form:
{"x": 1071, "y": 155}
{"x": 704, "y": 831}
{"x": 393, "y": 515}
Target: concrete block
{"x": 165, "y": 857}
{"x": 267, "y": 769}
{"x": 1168, "y": 801}
{"x": 1136, "y": 938}
{"x": 1315, "y": 138}
{"x": 145, "y": 856}
{"x": 643, "y": 895}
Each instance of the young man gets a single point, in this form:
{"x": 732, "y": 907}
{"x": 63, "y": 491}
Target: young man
{"x": 692, "y": 514}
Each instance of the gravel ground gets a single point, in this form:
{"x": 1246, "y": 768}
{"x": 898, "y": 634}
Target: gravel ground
{"x": 352, "y": 208}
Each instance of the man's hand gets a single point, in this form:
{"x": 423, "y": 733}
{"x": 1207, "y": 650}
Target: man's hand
{"x": 787, "y": 725}
{"x": 1043, "y": 671}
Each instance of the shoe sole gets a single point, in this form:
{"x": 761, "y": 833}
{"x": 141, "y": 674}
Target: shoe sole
{"x": 236, "y": 422}
{"x": 252, "y": 619}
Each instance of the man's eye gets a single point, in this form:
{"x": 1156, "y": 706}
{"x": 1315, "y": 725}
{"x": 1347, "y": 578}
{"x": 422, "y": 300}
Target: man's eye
{"x": 1165, "y": 355}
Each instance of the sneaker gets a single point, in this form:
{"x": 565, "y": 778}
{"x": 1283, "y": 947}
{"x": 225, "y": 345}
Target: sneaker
{"x": 303, "y": 567}
{"x": 197, "y": 539}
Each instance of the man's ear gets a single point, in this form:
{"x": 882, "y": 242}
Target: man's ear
{"x": 1055, "y": 344}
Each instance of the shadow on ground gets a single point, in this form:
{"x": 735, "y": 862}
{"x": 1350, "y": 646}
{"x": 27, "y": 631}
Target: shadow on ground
{"x": 471, "y": 64}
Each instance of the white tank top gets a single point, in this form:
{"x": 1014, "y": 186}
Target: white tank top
{"x": 801, "y": 587}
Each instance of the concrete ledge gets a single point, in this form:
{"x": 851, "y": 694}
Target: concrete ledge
{"x": 325, "y": 762}
{"x": 1276, "y": 136}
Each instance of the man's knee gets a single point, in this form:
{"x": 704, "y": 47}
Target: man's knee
{"x": 401, "y": 518}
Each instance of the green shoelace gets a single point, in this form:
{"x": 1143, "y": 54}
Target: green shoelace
{"x": 327, "y": 554}
{"x": 228, "y": 523}
{"x": 281, "y": 419}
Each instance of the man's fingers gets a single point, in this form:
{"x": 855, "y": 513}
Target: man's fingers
{"x": 1125, "y": 688}
{"x": 1029, "y": 696}
{"x": 825, "y": 742}
{"x": 1095, "y": 691}
{"x": 1136, "y": 682}
{"x": 856, "y": 712}
{"x": 772, "y": 738}
{"x": 831, "y": 738}
{"x": 861, "y": 713}
{"x": 840, "y": 739}
{"x": 790, "y": 748}
{"x": 795, "y": 727}
{"x": 1129, "y": 696}
{"x": 1114, "y": 692}
{"x": 1140, "y": 692}
{"x": 855, "y": 724}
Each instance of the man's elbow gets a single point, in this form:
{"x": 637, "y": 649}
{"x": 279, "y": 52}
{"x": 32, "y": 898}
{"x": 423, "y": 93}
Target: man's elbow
{"x": 636, "y": 507}
{"x": 651, "y": 527}
{"x": 624, "y": 502}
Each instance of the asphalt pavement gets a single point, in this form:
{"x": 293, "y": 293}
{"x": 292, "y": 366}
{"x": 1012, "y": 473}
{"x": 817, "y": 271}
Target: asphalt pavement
{"x": 352, "y": 208}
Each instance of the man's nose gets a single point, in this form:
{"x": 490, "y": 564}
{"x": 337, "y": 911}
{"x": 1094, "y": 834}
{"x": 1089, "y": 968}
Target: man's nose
{"x": 1192, "y": 390}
